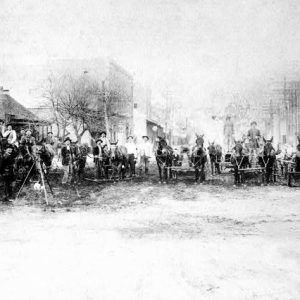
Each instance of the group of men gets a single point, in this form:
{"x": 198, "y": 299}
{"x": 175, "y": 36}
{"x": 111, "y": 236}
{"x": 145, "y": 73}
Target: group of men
{"x": 10, "y": 144}
{"x": 136, "y": 154}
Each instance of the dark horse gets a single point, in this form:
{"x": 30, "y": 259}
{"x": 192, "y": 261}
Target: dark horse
{"x": 118, "y": 161}
{"x": 45, "y": 155}
{"x": 267, "y": 160}
{"x": 215, "y": 156}
{"x": 81, "y": 153}
{"x": 164, "y": 158}
{"x": 239, "y": 160}
{"x": 199, "y": 159}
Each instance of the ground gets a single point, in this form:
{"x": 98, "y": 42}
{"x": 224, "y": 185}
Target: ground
{"x": 144, "y": 240}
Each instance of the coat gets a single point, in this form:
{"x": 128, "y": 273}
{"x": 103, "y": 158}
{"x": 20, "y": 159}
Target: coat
{"x": 68, "y": 155}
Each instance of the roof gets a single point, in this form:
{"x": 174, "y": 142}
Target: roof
{"x": 10, "y": 106}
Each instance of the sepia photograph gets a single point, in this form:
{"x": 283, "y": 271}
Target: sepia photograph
{"x": 150, "y": 149}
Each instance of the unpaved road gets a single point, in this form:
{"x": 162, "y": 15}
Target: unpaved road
{"x": 145, "y": 241}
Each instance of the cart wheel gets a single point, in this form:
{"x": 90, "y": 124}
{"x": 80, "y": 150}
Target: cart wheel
{"x": 291, "y": 180}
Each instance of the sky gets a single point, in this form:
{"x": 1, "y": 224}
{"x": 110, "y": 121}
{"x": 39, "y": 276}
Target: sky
{"x": 197, "y": 49}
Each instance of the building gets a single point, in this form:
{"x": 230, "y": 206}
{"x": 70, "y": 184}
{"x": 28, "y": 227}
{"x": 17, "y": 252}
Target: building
{"x": 11, "y": 111}
{"x": 119, "y": 103}
{"x": 282, "y": 112}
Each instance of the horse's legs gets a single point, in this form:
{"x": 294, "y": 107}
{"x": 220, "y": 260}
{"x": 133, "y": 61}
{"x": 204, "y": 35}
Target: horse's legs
{"x": 236, "y": 175}
{"x": 165, "y": 173}
{"x": 159, "y": 172}
{"x": 196, "y": 174}
{"x": 202, "y": 173}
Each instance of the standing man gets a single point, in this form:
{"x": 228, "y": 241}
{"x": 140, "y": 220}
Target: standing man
{"x": 98, "y": 158}
{"x": 228, "y": 133}
{"x": 132, "y": 154}
{"x": 51, "y": 143}
{"x": 68, "y": 156}
{"x": 145, "y": 152}
{"x": 10, "y": 135}
{"x": 21, "y": 135}
{"x": 104, "y": 140}
{"x": 254, "y": 136}
{"x": 28, "y": 141}
{"x": 7, "y": 171}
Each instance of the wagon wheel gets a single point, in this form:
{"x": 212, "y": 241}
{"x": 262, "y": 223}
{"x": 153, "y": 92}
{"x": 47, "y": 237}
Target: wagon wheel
{"x": 291, "y": 180}
{"x": 174, "y": 174}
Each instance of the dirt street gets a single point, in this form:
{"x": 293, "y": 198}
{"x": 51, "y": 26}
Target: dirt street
{"x": 151, "y": 241}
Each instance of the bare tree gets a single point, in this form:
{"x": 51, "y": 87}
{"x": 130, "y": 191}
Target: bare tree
{"x": 74, "y": 102}
{"x": 50, "y": 91}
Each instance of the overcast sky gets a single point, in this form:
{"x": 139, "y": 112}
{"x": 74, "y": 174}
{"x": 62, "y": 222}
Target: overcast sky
{"x": 188, "y": 46}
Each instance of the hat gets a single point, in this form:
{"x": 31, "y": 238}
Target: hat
{"x": 49, "y": 132}
{"x": 67, "y": 139}
{"x": 253, "y": 122}
{"x": 103, "y": 132}
{"x": 28, "y": 129}
{"x": 145, "y": 136}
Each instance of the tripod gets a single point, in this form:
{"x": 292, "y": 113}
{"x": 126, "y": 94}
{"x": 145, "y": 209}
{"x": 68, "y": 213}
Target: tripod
{"x": 39, "y": 166}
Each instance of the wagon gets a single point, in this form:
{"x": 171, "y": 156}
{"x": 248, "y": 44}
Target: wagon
{"x": 249, "y": 169}
{"x": 293, "y": 176}
{"x": 182, "y": 163}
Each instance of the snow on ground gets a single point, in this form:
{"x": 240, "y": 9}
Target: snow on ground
{"x": 158, "y": 242}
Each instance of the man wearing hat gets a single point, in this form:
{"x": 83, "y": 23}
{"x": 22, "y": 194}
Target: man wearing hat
{"x": 21, "y": 134}
{"x": 145, "y": 152}
{"x": 28, "y": 141}
{"x": 68, "y": 157}
{"x": 228, "y": 133}
{"x": 9, "y": 134}
{"x": 104, "y": 140}
{"x": 51, "y": 143}
{"x": 7, "y": 171}
{"x": 98, "y": 158}
{"x": 254, "y": 136}
{"x": 132, "y": 154}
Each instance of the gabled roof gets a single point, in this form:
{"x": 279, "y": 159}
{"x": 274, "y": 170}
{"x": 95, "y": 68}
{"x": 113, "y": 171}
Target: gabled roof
{"x": 10, "y": 106}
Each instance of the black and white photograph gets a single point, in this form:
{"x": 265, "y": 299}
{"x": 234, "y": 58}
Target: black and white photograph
{"x": 150, "y": 149}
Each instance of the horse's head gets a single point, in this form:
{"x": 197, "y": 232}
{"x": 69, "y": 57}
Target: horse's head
{"x": 212, "y": 148}
{"x": 163, "y": 148}
{"x": 268, "y": 147}
{"x": 199, "y": 140}
{"x": 113, "y": 149}
{"x": 238, "y": 148}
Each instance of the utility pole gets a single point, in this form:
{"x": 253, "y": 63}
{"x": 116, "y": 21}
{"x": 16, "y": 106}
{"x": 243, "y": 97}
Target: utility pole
{"x": 104, "y": 99}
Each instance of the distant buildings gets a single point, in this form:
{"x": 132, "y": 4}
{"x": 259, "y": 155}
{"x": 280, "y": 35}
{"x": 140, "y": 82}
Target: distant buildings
{"x": 11, "y": 111}
{"x": 282, "y": 112}
{"x": 129, "y": 106}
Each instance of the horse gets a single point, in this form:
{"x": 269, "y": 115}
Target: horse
{"x": 45, "y": 155}
{"x": 25, "y": 161}
{"x": 118, "y": 160}
{"x": 267, "y": 159}
{"x": 239, "y": 159}
{"x": 285, "y": 159}
{"x": 164, "y": 159}
{"x": 81, "y": 154}
{"x": 215, "y": 156}
{"x": 199, "y": 159}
